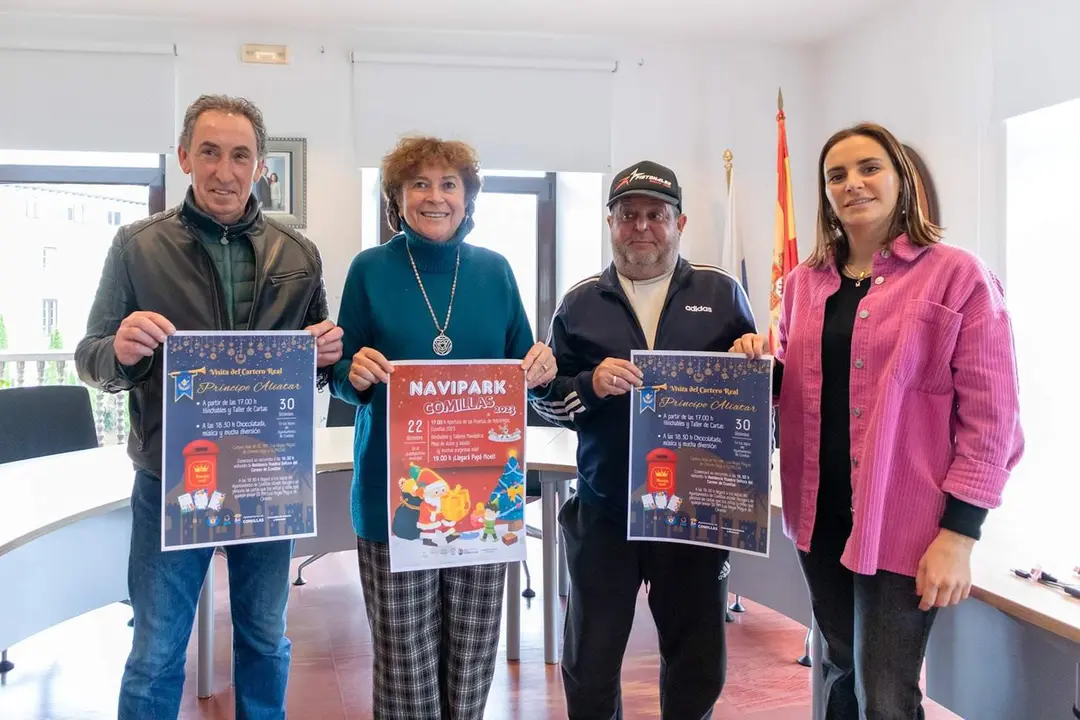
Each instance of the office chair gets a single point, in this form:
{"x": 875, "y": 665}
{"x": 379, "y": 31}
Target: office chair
{"x": 40, "y": 421}
{"x": 338, "y": 414}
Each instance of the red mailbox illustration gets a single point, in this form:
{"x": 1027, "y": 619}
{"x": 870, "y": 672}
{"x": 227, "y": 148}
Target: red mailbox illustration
{"x": 200, "y": 466}
{"x": 661, "y": 464}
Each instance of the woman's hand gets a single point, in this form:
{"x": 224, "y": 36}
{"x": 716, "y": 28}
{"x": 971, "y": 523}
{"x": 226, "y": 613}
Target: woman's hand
{"x": 539, "y": 365}
{"x": 750, "y": 344}
{"x": 944, "y": 575}
{"x": 369, "y": 367}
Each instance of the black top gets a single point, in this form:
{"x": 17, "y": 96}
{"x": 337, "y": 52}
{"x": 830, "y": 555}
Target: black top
{"x": 834, "y": 494}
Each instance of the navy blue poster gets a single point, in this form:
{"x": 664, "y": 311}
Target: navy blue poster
{"x": 238, "y": 455}
{"x": 700, "y": 441}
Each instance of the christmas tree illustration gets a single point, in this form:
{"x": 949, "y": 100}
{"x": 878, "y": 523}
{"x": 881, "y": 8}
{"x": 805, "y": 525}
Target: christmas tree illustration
{"x": 509, "y": 491}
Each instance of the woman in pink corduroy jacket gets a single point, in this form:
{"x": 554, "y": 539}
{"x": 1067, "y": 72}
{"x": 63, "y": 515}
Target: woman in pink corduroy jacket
{"x": 899, "y": 421}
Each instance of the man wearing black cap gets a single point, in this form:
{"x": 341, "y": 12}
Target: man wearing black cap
{"x": 649, "y": 298}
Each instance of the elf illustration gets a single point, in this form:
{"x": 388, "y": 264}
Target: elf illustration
{"x": 491, "y": 514}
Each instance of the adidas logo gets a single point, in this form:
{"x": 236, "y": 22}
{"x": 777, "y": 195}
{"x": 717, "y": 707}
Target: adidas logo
{"x": 698, "y": 308}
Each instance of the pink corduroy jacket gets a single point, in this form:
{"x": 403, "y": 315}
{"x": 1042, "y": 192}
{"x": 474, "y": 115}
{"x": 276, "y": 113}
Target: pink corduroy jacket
{"x": 934, "y": 399}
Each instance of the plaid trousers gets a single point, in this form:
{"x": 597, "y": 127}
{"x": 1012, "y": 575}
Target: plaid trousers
{"x": 435, "y": 634}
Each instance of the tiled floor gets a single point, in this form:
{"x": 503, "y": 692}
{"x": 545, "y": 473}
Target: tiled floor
{"x": 72, "y": 671}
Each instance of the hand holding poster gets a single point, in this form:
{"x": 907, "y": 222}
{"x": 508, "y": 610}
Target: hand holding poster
{"x": 700, "y": 442}
{"x": 456, "y": 463}
{"x": 238, "y": 458}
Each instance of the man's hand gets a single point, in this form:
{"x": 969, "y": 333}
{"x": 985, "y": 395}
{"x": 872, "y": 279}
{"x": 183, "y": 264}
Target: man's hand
{"x": 944, "y": 574}
{"x": 539, "y": 365}
{"x": 139, "y": 335}
{"x": 615, "y": 376}
{"x": 751, "y": 344}
{"x": 369, "y": 366}
{"x": 328, "y": 340}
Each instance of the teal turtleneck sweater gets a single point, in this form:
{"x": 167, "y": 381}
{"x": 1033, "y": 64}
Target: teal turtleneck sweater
{"x": 382, "y": 308}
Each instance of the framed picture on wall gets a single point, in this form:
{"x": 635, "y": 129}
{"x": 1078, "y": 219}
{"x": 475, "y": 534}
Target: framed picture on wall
{"x": 282, "y": 187}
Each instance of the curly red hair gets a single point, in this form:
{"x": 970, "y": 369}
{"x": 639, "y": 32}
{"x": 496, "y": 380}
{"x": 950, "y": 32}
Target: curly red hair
{"x": 414, "y": 152}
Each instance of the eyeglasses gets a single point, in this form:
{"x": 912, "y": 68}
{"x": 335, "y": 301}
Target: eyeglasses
{"x": 653, "y": 217}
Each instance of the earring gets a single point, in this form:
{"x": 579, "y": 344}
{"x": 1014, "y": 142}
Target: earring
{"x": 837, "y": 232}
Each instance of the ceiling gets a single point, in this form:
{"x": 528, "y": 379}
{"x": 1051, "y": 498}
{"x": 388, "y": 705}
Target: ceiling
{"x": 784, "y": 20}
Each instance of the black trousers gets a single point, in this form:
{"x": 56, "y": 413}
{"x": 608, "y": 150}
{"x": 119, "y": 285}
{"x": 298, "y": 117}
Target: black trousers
{"x": 687, "y": 589}
{"x": 874, "y": 632}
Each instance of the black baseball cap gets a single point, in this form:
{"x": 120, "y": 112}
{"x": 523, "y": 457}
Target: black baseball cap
{"x": 649, "y": 179}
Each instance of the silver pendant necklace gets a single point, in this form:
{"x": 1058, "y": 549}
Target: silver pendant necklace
{"x": 442, "y": 344}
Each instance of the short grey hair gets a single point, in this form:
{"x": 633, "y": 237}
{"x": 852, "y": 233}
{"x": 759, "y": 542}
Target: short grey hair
{"x": 225, "y": 104}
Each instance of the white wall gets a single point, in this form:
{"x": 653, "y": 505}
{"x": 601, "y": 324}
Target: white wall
{"x": 741, "y": 87}
{"x": 924, "y": 70}
{"x": 1036, "y": 55}
{"x": 678, "y": 105}
{"x": 945, "y": 77}
{"x": 683, "y": 106}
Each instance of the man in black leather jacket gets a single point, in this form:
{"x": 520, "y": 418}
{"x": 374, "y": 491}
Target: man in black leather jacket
{"x": 213, "y": 263}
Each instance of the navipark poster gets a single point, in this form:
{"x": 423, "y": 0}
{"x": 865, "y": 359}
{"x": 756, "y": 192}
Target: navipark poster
{"x": 456, "y": 463}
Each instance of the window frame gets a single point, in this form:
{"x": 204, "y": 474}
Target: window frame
{"x": 48, "y": 304}
{"x": 153, "y": 178}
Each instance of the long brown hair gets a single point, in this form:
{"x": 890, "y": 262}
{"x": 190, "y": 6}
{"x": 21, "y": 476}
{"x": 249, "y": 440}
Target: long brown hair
{"x": 908, "y": 215}
{"x": 413, "y": 152}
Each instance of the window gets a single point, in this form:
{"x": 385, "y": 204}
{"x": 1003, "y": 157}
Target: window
{"x": 53, "y": 256}
{"x": 48, "y": 316}
{"x": 114, "y": 217}
{"x": 1042, "y": 150}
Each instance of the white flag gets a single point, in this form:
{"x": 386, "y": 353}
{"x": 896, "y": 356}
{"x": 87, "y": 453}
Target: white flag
{"x": 732, "y": 258}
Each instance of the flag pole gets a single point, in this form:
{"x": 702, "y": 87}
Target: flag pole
{"x": 727, "y": 166}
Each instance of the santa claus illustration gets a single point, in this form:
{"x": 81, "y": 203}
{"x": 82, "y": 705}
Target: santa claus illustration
{"x": 433, "y": 526}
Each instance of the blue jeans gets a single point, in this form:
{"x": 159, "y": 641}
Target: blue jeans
{"x": 164, "y": 589}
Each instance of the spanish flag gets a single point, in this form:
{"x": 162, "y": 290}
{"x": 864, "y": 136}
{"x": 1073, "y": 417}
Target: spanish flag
{"x": 785, "y": 247}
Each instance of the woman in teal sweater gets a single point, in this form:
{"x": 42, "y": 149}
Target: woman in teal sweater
{"x": 426, "y": 295}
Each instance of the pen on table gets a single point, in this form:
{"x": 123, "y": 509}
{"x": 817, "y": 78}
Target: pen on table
{"x": 1050, "y": 580}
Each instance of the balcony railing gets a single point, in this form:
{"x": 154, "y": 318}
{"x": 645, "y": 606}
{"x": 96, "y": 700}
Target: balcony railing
{"x": 57, "y": 367}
